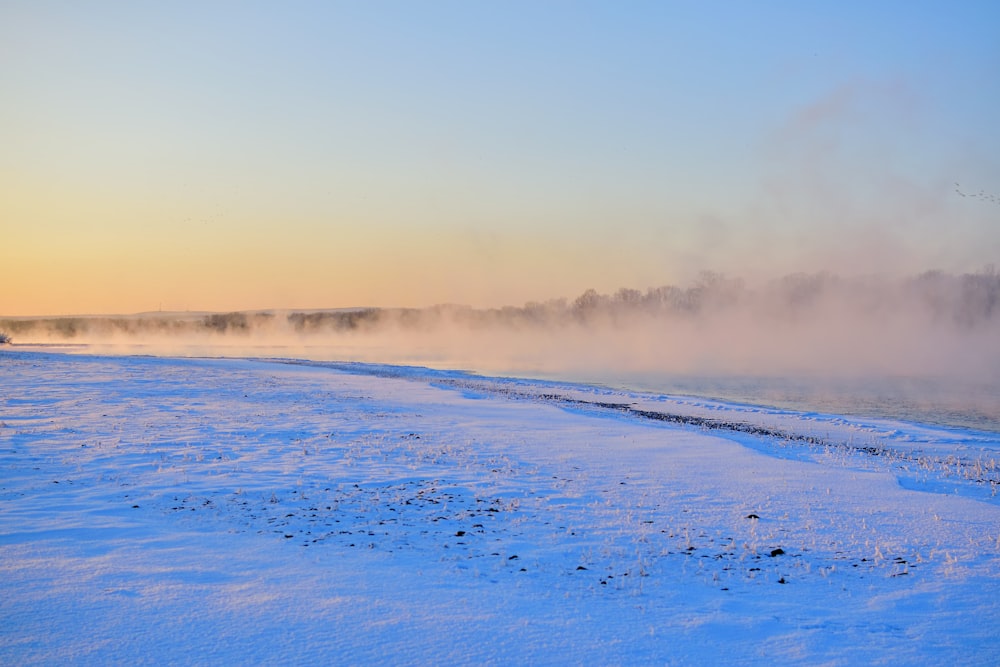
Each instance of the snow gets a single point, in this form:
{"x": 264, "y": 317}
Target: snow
{"x": 225, "y": 511}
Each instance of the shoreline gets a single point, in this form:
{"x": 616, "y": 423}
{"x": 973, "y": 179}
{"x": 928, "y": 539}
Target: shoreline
{"x": 925, "y": 401}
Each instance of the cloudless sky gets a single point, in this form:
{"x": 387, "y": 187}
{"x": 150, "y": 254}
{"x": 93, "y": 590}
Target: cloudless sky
{"x": 242, "y": 155}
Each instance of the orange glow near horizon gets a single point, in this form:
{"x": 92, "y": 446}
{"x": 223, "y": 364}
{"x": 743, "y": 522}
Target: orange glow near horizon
{"x": 120, "y": 273}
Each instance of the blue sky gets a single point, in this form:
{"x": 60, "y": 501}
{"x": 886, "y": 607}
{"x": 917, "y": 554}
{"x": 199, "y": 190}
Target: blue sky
{"x": 234, "y": 155}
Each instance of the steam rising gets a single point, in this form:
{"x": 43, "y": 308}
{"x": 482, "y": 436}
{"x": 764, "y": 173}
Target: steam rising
{"x": 931, "y": 325}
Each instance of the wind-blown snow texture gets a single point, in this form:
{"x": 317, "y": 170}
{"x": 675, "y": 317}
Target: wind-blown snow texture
{"x": 225, "y": 511}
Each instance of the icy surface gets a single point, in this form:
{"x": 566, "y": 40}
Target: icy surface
{"x": 225, "y": 511}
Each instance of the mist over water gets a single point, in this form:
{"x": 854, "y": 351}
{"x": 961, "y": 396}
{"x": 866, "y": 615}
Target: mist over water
{"x": 925, "y": 348}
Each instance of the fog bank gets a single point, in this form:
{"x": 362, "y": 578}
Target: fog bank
{"x": 930, "y": 325}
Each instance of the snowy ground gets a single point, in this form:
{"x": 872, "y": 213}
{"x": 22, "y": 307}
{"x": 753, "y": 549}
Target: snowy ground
{"x": 233, "y": 512}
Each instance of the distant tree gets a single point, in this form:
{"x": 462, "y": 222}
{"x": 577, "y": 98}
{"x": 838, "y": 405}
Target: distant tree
{"x": 4, "y": 339}
{"x": 980, "y": 296}
{"x": 223, "y": 322}
{"x": 628, "y": 297}
{"x": 588, "y": 301}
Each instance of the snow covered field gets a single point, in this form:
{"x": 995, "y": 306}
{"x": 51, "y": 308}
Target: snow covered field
{"x": 190, "y": 511}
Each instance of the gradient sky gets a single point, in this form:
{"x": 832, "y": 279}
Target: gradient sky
{"x": 241, "y": 155}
